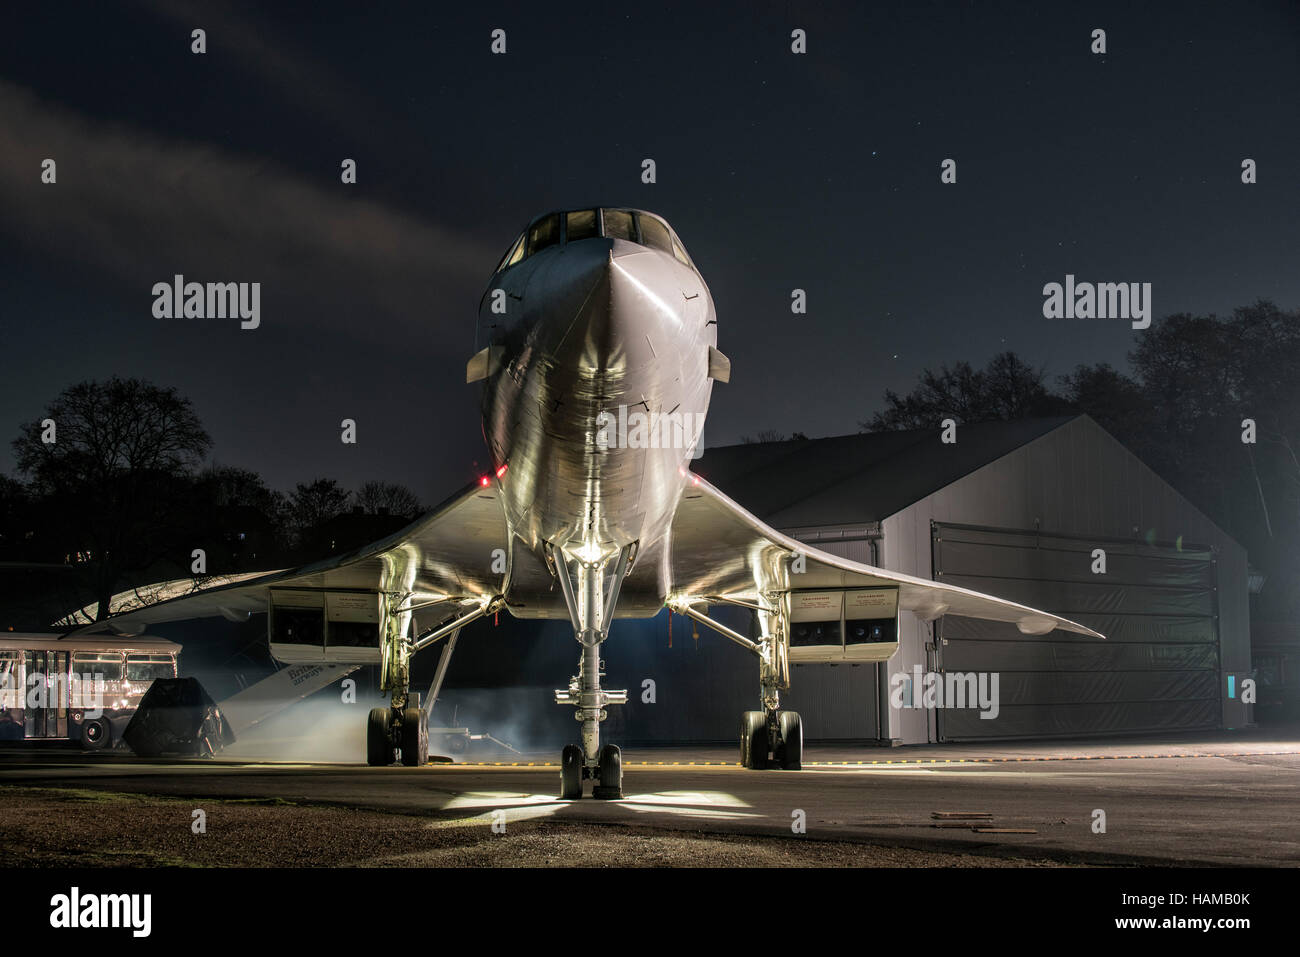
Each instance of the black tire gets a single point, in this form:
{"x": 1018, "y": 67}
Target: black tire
{"x": 753, "y": 740}
{"x": 415, "y": 738}
{"x": 791, "y": 751}
{"x": 379, "y": 746}
{"x": 96, "y": 734}
{"x": 611, "y": 774}
{"x": 571, "y": 773}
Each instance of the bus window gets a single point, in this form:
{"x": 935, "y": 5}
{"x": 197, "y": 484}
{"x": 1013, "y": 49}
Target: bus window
{"x": 88, "y": 664}
{"x": 149, "y": 667}
{"x": 11, "y": 679}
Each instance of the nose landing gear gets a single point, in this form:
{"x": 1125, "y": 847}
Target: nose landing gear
{"x": 590, "y": 598}
{"x": 607, "y": 779}
{"x": 611, "y": 774}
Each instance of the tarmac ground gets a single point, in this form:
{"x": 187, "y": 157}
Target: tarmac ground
{"x": 1222, "y": 799}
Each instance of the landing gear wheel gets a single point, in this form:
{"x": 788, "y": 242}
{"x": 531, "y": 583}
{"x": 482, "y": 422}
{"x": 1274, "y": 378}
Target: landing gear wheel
{"x": 753, "y": 740}
{"x": 571, "y": 773}
{"x": 96, "y": 734}
{"x": 379, "y": 746}
{"x": 611, "y": 774}
{"x": 415, "y": 738}
{"x": 790, "y": 754}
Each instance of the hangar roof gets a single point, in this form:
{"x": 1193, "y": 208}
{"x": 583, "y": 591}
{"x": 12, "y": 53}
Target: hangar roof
{"x": 864, "y": 477}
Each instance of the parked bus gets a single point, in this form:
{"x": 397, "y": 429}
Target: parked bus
{"x": 77, "y": 689}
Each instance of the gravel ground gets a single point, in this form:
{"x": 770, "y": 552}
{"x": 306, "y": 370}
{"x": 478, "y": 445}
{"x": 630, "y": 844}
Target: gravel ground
{"x": 43, "y": 827}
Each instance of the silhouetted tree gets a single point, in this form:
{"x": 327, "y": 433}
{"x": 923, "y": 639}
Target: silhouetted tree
{"x": 16, "y": 526}
{"x": 766, "y": 435}
{"x": 1119, "y": 404}
{"x": 115, "y": 476}
{"x": 1007, "y": 388}
{"x": 244, "y": 523}
{"x": 376, "y": 497}
{"x": 311, "y": 505}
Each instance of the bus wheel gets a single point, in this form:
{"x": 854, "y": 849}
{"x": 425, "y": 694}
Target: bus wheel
{"x": 96, "y": 734}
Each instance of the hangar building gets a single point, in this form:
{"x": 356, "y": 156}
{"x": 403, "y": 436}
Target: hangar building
{"x": 1019, "y": 510}
{"x": 1015, "y": 509}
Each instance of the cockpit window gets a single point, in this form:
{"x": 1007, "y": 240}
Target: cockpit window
{"x": 680, "y": 252}
{"x": 619, "y": 225}
{"x": 654, "y": 234}
{"x": 580, "y": 224}
{"x": 642, "y": 228}
{"x": 545, "y": 232}
{"x": 515, "y": 254}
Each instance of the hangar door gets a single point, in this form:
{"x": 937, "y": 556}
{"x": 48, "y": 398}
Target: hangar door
{"x": 1155, "y": 603}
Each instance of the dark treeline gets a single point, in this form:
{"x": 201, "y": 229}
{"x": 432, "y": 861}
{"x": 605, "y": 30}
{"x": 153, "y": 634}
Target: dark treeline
{"x": 1211, "y": 403}
{"x": 1185, "y": 406}
{"x": 113, "y": 492}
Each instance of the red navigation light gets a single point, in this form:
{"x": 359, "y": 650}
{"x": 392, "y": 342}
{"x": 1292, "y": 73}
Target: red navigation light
{"x": 483, "y": 481}
{"x": 501, "y": 472}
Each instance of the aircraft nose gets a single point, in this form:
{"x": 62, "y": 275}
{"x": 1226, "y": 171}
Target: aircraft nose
{"x": 633, "y": 306}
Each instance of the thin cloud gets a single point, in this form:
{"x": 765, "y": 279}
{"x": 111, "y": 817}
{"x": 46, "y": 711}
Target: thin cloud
{"x": 299, "y": 79}
{"x": 142, "y": 207}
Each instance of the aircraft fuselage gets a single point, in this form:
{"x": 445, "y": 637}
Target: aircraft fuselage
{"x": 598, "y": 384}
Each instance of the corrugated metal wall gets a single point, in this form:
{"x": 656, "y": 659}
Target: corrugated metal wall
{"x": 836, "y": 702}
{"x": 1157, "y": 671}
{"x": 1074, "y": 481}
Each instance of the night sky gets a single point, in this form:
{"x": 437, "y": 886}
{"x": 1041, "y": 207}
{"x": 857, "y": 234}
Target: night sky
{"x": 819, "y": 171}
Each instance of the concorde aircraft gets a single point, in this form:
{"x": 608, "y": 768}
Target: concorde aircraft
{"x": 598, "y": 364}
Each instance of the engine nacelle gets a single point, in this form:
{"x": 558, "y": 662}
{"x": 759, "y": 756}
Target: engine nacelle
{"x": 318, "y": 625}
{"x": 859, "y": 624}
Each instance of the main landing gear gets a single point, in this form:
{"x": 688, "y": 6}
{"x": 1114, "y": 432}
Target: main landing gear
{"x": 394, "y": 735}
{"x": 400, "y": 732}
{"x": 770, "y": 738}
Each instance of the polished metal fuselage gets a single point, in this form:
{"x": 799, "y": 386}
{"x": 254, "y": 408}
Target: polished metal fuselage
{"x": 598, "y": 326}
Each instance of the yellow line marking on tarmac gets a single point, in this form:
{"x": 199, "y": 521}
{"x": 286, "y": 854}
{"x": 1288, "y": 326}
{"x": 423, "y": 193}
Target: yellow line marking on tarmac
{"x": 898, "y": 761}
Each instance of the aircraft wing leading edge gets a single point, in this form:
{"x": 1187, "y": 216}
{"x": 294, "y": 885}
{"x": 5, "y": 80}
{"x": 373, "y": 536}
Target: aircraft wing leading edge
{"x": 716, "y": 548}
{"x": 446, "y": 554}
{"x": 719, "y": 549}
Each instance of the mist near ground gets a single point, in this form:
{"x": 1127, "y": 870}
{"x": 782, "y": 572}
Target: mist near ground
{"x": 324, "y": 728}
